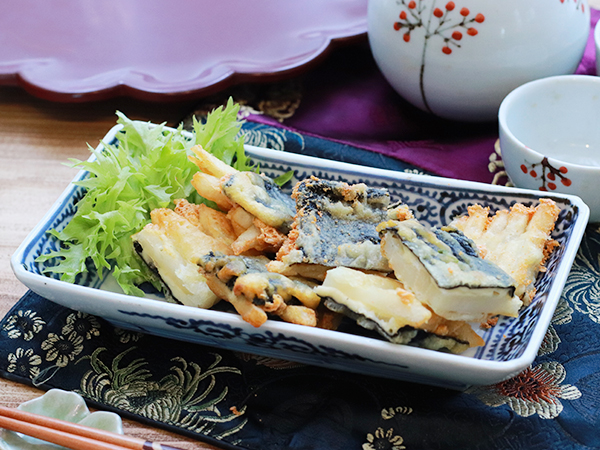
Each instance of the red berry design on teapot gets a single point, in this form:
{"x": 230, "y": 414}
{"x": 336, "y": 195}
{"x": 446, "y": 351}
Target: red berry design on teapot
{"x": 446, "y": 23}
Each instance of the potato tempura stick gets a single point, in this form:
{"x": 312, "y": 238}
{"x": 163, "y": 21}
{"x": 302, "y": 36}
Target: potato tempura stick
{"x": 209, "y": 187}
{"x": 300, "y": 315}
{"x": 474, "y": 224}
{"x": 209, "y": 163}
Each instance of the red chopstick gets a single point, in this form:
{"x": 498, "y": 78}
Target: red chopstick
{"x": 71, "y": 435}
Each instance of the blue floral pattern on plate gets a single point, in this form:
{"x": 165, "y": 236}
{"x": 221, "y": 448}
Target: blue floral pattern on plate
{"x": 511, "y": 345}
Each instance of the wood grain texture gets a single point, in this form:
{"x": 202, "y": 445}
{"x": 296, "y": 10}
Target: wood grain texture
{"x": 36, "y": 139}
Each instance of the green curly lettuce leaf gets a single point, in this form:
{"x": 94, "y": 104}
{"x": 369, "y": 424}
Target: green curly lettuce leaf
{"x": 147, "y": 168}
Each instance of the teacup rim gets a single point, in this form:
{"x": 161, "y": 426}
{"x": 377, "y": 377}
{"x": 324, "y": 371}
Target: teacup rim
{"x": 518, "y": 92}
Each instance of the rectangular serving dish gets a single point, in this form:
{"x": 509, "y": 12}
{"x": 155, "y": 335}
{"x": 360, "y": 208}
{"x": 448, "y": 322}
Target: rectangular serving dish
{"x": 509, "y": 348}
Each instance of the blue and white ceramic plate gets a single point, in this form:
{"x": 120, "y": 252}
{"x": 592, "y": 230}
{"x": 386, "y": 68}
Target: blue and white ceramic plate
{"x": 510, "y": 346}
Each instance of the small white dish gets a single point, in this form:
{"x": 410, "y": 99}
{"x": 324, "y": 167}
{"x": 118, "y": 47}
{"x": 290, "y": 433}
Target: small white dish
{"x": 550, "y": 137}
{"x": 63, "y": 405}
{"x": 510, "y": 346}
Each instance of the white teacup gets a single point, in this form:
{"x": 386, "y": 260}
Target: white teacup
{"x": 459, "y": 58}
{"x": 550, "y": 137}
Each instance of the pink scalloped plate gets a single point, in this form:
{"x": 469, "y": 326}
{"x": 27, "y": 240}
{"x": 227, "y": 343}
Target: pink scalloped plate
{"x": 161, "y": 50}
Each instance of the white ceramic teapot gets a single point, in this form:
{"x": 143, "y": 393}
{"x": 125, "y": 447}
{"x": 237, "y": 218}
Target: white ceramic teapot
{"x": 459, "y": 58}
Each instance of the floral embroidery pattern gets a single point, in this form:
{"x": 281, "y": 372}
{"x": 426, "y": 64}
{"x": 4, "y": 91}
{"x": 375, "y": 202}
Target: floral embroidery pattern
{"x": 582, "y": 289}
{"x": 24, "y": 363}
{"x": 389, "y": 413}
{"x": 386, "y": 439}
{"x": 497, "y": 168}
{"x": 189, "y": 396}
{"x": 383, "y": 440}
{"x": 24, "y": 324}
{"x": 550, "y": 342}
{"x": 269, "y": 138}
{"x": 278, "y": 100}
{"x": 62, "y": 349}
{"x": 536, "y": 390}
{"x": 443, "y": 22}
{"x": 184, "y": 397}
{"x": 82, "y": 324}
{"x": 563, "y": 313}
{"x": 127, "y": 336}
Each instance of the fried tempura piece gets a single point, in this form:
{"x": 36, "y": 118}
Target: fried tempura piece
{"x": 240, "y": 219}
{"x": 171, "y": 246}
{"x": 256, "y": 193}
{"x": 335, "y": 225}
{"x": 311, "y": 271}
{"x": 475, "y": 224}
{"x": 328, "y": 319}
{"x": 300, "y": 315}
{"x": 188, "y": 210}
{"x": 192, "y": 242}
{"x": 261, "y": 197}
{"x": 253, "y": 234}
{"x": 261, "y": 287}
{"x": 239, "y": 279}
{"x": 260, "y": 237}
{"x": 442, "y": 267}
{"x": 220, "y": 271}
{"x": 179, "y": 277}
{"x": 518, "y": 241}
{"x": 399, "y": 211}
{"x": 248, "y": 311}
{"x": 455, "y": 329}
{"x": 210, "y": 164}
{"x": 215, "y": 224}
{"x": 382, "y": 303}
{"x": 244, "y": 234}
{"x": 209, "y": 187}
{"x": 208, "y": 220}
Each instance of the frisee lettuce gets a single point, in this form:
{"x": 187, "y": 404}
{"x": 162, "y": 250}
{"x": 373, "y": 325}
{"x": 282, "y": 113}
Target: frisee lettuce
{"x": 147, "y": 168}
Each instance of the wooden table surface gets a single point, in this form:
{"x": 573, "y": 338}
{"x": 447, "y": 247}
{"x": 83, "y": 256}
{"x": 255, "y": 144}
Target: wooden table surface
{"x": 36, "y": 138}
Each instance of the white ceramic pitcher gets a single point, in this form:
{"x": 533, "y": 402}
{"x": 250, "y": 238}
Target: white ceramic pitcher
{"x": 459, "y": 58}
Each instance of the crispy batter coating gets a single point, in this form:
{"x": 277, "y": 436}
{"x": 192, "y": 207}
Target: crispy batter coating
{"x": 260, "y": 237}
{"x": 245, "y": 281}
{"x": 335, "y": 225}
{"x": 240, "y": 219}
{"x": 210, "y": 164}
{"x": 210, "y": 221}
{"x": 518, "y": 241}
{"x": 263, "y": 287}
{"x": 209, "y": 187}
{"x": 261, "y": 197}
{"x": 187, "y": 237}
{"x": 311, "y": 271}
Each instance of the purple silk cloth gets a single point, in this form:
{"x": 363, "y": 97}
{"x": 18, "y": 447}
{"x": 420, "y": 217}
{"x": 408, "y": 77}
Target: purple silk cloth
{"x": 347, "y": 99}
